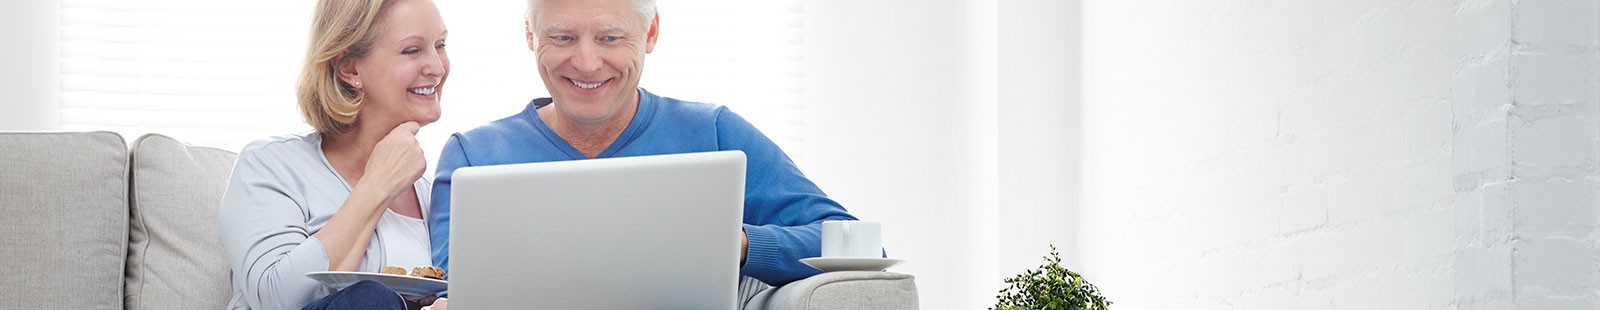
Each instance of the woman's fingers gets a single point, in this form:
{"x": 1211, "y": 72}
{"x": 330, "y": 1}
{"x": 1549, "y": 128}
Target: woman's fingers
{"x": 397, "y": 158}
{"x": 410, "y": 127}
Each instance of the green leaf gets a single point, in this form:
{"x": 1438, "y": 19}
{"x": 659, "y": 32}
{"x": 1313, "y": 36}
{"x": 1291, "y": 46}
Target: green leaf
{"x": 1051, "y": 286}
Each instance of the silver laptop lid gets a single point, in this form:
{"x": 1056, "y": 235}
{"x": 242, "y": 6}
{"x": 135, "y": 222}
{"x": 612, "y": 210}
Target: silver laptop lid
{"x": 648, "y": 232}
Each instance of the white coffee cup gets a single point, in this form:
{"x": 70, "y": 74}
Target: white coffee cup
{"x": 852, "y": 239}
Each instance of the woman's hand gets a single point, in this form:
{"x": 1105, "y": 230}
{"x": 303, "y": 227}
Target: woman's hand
{"x": 396, "y": 161}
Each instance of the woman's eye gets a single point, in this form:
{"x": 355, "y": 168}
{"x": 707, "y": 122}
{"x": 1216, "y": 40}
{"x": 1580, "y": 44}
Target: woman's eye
{"x": 409, "y": 51}
{"x": 439, "y": 46}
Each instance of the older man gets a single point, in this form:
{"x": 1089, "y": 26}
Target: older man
{"x": 590, "y": 56}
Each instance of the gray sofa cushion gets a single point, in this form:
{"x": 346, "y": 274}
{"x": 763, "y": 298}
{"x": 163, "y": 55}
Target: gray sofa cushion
{"x": 65, "y": 220}
{"x": 175, "y": 258}
{"x": 842, "y": 290}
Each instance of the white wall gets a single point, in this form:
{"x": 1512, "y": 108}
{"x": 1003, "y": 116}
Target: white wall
{"x": 1341, "y": 154}
{"x": 32, "y": 65}
{"x": 889, "y": 83}
{"x": 955, "y": 123}
{"x": 1540, "y": 216}
{"x": 1039, "y": 127}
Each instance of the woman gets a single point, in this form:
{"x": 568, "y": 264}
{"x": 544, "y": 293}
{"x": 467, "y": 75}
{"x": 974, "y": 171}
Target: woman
{"x": 349, "y": 196}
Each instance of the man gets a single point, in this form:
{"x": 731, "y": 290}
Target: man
{"x": 590, "y": 56}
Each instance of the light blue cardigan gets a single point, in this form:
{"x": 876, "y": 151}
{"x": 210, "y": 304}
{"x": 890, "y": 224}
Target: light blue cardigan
{"x": 282, "y": 191}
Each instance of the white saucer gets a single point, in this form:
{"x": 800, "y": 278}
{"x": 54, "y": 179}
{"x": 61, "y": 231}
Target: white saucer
{"x": 408, "y": 286}
{"x": 831, "y": 264}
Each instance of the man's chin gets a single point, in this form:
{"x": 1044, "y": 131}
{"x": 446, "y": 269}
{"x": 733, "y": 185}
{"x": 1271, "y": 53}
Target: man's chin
{"x": 579, "y": 99}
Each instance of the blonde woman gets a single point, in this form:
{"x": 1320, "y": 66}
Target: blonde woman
{"x": 349, "y": 196}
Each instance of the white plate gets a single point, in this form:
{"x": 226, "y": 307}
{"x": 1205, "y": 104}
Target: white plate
{"x": 830, "y": 264}
{"x": 408, "y": 286}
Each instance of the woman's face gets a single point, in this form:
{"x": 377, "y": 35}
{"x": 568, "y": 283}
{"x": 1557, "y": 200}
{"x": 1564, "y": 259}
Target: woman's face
{"x": 404, "y": 72}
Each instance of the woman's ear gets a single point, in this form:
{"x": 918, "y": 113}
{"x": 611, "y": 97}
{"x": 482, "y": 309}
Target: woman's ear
{"x": 346, "y": 68}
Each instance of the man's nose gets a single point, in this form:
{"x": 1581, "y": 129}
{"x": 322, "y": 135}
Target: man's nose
{"x": 588, "y": 58}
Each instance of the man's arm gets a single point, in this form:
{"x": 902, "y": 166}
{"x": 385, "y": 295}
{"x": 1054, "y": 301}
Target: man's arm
{"x": 453, "y": 156}
{"x": 784, "y": 210}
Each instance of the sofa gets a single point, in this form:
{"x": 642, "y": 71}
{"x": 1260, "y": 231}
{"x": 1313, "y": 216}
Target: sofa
{"x": 90, "y": 222}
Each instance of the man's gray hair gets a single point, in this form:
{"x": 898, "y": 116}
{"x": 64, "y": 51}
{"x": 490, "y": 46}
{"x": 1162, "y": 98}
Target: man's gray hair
{"x": 645, "y": 8}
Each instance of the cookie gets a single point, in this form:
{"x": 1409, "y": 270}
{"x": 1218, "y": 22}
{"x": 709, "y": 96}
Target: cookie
{"x": 395, "y": 270}
{"x": 430, "y": 272}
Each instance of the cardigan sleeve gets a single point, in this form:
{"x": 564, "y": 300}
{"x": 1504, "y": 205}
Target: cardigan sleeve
{"x": 266, "y": 237}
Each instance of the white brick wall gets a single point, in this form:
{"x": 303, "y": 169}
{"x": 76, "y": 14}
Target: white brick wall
{"x": 1553, "y": 130}
{"x": 1371, "y": 154}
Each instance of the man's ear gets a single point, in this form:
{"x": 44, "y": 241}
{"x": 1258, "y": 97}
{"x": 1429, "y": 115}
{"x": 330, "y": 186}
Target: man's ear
{"x": 527, "y": 27}
{"x": 655, "y": 31}
{"x": 346, "y": 68}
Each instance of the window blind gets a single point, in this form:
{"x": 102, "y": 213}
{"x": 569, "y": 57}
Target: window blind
{"x": 215, "y": 73}
{"x": 223, "y": 73}
{"x": 742, "y": 54}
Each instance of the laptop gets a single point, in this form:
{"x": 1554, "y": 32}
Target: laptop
{"x": 647, "y": 232}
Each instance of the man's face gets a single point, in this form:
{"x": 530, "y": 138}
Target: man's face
{"x": 591, "y": 54}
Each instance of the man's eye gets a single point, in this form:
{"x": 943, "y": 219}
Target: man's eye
{"x": 611, "y": 38}
{"x": 561, "y": 38}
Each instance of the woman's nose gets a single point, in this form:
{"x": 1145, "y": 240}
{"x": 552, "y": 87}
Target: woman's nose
{"x": 436, "y": 65}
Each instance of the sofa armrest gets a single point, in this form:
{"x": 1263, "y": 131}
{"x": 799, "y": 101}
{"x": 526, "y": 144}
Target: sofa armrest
{"x": 841, "y": 290}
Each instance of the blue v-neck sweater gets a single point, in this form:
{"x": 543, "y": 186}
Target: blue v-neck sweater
{"x": 783, "y": 210}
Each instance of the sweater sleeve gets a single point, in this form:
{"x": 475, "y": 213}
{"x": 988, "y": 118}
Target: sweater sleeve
{"x": 453, "y": 156}
{"x": 783, "y": 210}
{"x": 266, "y": 237}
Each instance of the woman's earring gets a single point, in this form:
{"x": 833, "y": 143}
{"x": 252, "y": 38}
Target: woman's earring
{"x": 358, "y": 84}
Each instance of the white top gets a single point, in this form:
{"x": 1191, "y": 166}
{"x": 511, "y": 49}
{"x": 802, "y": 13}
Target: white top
{"x": 405, "y": 241}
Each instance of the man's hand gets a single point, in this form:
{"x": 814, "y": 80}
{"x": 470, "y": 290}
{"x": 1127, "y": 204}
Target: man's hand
{"x": 436, "y": 304}
{"x": 744, "y": 248}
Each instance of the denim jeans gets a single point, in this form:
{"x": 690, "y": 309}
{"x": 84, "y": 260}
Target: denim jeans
{"x": 366, "y": 294}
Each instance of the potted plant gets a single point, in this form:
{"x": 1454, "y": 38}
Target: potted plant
{"x": 1050, "y": 287}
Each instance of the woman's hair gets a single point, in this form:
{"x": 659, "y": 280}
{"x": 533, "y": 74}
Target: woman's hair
{"x": 645, "y": 8}
{"x": 341, "y": 30}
